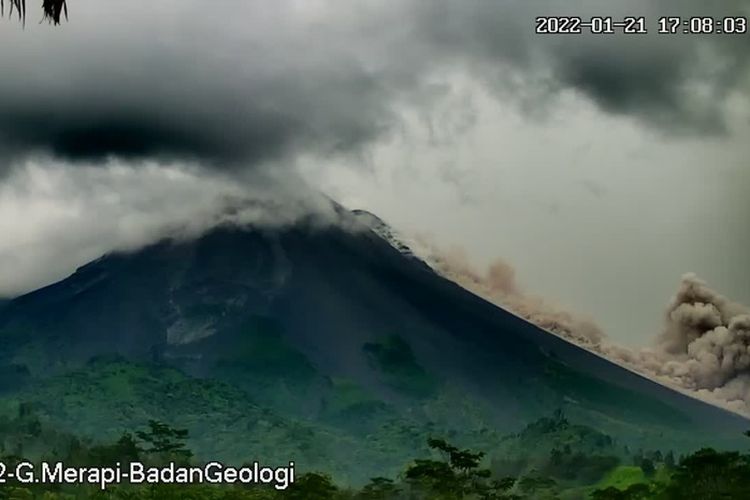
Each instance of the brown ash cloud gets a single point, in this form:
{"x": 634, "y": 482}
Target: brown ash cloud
{"x": 702, "y": 350}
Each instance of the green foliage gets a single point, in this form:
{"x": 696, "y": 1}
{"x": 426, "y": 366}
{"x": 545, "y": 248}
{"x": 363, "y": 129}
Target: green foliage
{"x": 647, "y": 466}
{"x": 396, "y": 362}
{"x": 669, "y": 460}
{"x": 709, "y": 474}
{"x": 457, "y": 475}
{"x": 312, "y": 486}
{"x": 610, "y": 399}
{"x": 559, "y": 449}
{"x": 434, "y": 476}
{"x": 129, "y": 405}
{"x": 125, "y": 450}
{"x": 622, "y": 477}
{"x": 109, "y": 397}
{"x": 379, "y": 488}
{"x": 348, "y": 405}
{"x": 259, "y": 349}
{"x": 579, "y": 466}
{"x": 163, "y": 440}
{"x": 704, "y": 475}
{"x": 638, "y": 491}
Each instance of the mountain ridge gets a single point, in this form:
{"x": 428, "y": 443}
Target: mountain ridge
{"x": 397, "y": 241}
{"x": 338, "y": 328}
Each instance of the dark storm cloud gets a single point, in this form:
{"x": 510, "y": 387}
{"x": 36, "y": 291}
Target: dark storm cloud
{"x": 193, "y": 118}
{"x": 674, "y": 82}
{"x": 254, "y": 81}
{"x": 134, "y": 83}
{"x": 222, "y": 102}
{"x": 681, "y": 88}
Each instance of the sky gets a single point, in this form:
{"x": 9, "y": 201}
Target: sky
{"x": 601, "y": 167}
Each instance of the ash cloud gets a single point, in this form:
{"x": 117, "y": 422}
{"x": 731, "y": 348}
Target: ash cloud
{"x": 498, "y": 285}
{"x": 239, "y": 84}
{"x": 703, "y": 350}
{"x": 706, "y": 343}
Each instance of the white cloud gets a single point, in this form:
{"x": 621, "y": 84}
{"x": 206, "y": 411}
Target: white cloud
{"x": 55, "y": 217}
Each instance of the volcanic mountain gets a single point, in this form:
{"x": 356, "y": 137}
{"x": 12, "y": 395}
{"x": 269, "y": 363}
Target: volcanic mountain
{"x": 325, "y": 343}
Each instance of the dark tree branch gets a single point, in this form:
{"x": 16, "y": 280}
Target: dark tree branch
{"x": 53, "y": 10}
{"x": 18, "y": 5}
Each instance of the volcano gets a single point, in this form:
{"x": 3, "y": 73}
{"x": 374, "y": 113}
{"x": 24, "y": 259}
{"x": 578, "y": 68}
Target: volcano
{"x": 325, "y": 343}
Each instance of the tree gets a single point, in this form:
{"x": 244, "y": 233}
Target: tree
{"x": 125, "y": 450}
{"x": 53, "y": 10}
{"x": 555, "y": 456}
{"x": 708, "y": 474}
{"x": 498, "y": 490}
{"x": 163, "y": 439}
{"x": 537, "y": 486}
{"x": 379, "y": 488}
{"x": 638, "y": 458}
{"x": 639, "y": 491}
{"x": 609, "y": 493}
{"x": 647, "y": 466}
{"x": 559, "y": 417}
{"x": 457, "y": 475}
{"x": 464, "y": 461}
{"x": 312, "y": 486}
{"x": 434, "y": 476}
{"x": 669, "y": 460}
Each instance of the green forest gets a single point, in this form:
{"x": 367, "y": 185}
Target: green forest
{"x": 447, "y": 473}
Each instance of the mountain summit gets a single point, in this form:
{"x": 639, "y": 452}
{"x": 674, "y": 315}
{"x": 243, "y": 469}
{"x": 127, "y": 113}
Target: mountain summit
{"x": 315, "y": 333}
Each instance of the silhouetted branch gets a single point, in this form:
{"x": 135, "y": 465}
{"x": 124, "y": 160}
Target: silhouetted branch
{"x": 18, "y": 5}
{"x": 53, "y": 10}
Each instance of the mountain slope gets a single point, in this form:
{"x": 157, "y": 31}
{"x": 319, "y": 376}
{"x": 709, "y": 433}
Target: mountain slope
{"x": 338, "y": 328}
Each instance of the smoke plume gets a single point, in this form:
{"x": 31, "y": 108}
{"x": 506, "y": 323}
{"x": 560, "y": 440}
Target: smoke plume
{"x": 703, "y": 350}
{"x": 705, "y": 346}
{"x": 499, "y": 286}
